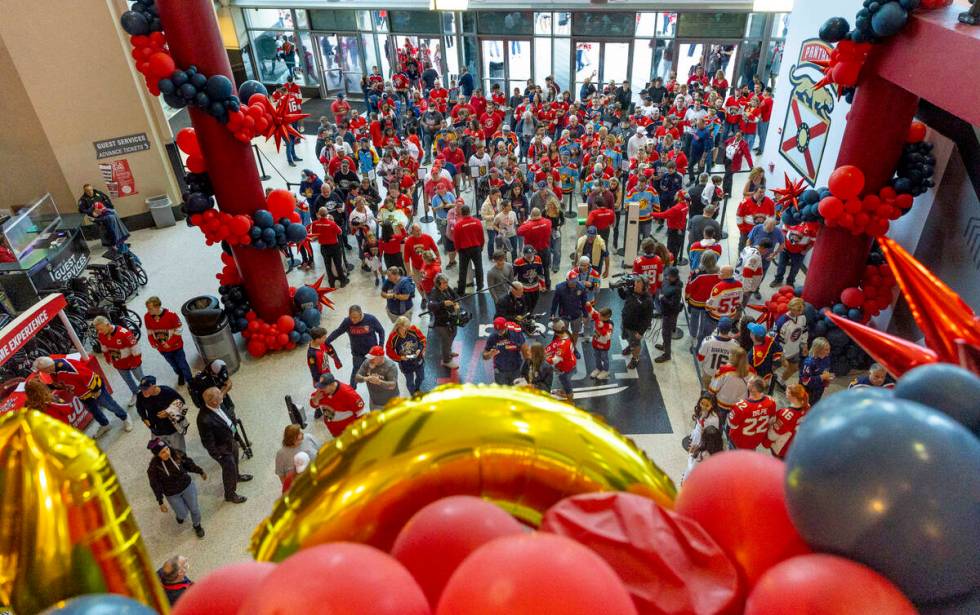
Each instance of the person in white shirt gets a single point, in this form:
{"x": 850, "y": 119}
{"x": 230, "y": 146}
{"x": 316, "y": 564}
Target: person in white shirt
{"x": 636, "y": 142}
{"x": 716, "y": 349}
{"x": 752, "y": 267}
{"x": 730, "y": 384}
{"x": 479, "y": 162}
{"x": 793, "y": 335}
{"x": 648, "y": 108}
{"x": 505, "y": 223}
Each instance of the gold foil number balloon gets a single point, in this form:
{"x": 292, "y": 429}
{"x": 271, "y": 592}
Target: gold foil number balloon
{"x": 66, "y": 528}
{"x": 516, "y": 447}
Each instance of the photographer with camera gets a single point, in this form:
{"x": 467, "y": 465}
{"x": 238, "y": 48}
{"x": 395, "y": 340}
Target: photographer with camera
{"x": 513, "y": 305}
{"x": 444, "y": 308}
{"x": 506, "y": 345}
{"x": 636, "y": 316}
{"x": 162, "y": 410}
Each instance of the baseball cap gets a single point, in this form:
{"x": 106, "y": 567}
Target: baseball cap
{"x": 756, "y": 329}
{"x": 725, "y": 324}
{"x": 530, "y": 250}
{"x": 156, "y": 445}
{"x": 499, "y": 322}
{"x": 148, "y": 382}
{"x": 591, "y": 231}
{"x": 307, "y": 173}
{"x": 325, "y": 381}
{"x": 217, "y": 365}
{"x": 376, "y": 351}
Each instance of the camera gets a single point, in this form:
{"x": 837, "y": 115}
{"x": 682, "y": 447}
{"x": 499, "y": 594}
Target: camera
{"x": 624, "y": 285}
{"x": 460, "y": 318}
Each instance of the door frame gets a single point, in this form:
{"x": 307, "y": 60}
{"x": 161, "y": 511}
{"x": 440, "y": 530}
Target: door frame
{"x": 736, "y": 60}
{"x": 485, "y": 79}
{"x": 601, "y": 41}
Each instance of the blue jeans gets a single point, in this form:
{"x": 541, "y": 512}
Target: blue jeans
{"x": 601, "y": 359}
{"x": 750, "y": 140}
{"x": 763, "y": 129}
{"x": 132, "y": 378}
{"x": 555, "y": 252}
{"x": 794, "y": 261}
{"x": 291, "y": 150}
{"x": 104, "y": 400}
{"x": 565, "y": 378}
{"x": 645, "y": 227}
{"x": 186, "y": 502}
{"x": 413, "y": 378}
{"x": 178, "y": 361}
{"x": 491, "y": 242}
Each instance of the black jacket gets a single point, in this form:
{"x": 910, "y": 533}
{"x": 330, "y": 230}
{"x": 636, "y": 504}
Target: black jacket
{"x": 510, "y": 307}
{"x": 172, "y": 476}
{"x": 218, "y": 439}
{"x": 542, "y": 378}
{"x": 87, "y": 203}
{"x": 671, "y": 297}
{"x": 441, "y": 315}
{"x": 147, "y": 408}
{"x": 637, "y": 312}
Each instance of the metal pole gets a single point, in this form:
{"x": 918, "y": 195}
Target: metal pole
{"x": 262, "y": 174}
{"x": 77, "y": 343}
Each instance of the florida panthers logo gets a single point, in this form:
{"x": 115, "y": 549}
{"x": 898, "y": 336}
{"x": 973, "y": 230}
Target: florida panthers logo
{"x": 808, "y": 114}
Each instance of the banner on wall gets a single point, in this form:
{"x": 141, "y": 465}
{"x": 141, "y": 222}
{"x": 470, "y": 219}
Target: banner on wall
{"x": 809, "y": 113}
{"x": 118, "y": 178}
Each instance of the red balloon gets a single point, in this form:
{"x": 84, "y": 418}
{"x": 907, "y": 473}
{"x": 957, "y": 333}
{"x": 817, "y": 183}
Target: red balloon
{"x": 738, "y": 498}
{"x": 285, "y": 324}
{"x": 282, "y": 339}
{"x": 668, "y": 562}
{"x": 187, "y": 142}
{"x": 281, "y": 203}
{"x": 157, "y": 39}
{"x": 846, "y": 181}
{"x": 788, "y": 290}
{"x": 534, "y": 574}
{"x": 852, "y": 297}
{"x": 852, "y": 206}
{"x": 437, "y": 538}
{"x": 825, "y": 584}
{"x": 830, "y": 207}
{"x": 339, "y": 578}
{"x": 161, "y": 64}
{"x": 197, "y": 219}
{"x": 917, "y": 132}
{"x": 903, "y": 201}
{"x": 224, "y": 590}
{"x": 251, "y": 315}
{"x": 195, "y": 164}
{"x": 257, "y": 348}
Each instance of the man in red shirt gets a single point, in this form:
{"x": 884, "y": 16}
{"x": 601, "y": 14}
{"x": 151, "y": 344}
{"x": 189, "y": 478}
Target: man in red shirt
{"x": 478, "y": 103}
{"x": 749, "y": 419}
{"x": 417, "y": 244}
{"x": 340, "y": 109}
{"x": 78, "y": 379}
{"x": 163, "y": 329}
{"x": 753, "y": 210}
{"x": 490, "y": 121}
{"x": 469, "y": 238}
{"x": 536, "y": 232}
{"x": 650, "y": 265}
{"x": 122, "y": 351}
{"x": 765, "y": 113}
{"x": 340, "y": 402}
{"x": 327, "y": 233}
{"x": 602, "y": 218}
{"x": 676, "y": 218}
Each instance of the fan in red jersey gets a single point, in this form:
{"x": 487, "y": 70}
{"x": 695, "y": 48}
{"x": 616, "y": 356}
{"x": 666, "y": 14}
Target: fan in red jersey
{"x": 787, "y": 420}
{"x": 748, "y": 422}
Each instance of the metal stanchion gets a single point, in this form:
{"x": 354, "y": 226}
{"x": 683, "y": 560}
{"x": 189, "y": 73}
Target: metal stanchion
{"x": 263, "y": 175}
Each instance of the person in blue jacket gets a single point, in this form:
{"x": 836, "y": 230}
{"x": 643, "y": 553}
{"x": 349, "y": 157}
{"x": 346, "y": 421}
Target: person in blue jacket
{"x": 568, "y": 302}
{"x": 364, "y": 331}
{"x": 505, "y": 345}
{"x": 309, "y": 188}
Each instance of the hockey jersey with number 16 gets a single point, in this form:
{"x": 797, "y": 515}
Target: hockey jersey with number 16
{"x": 725, "y": 299}
{"x": 750, "y": 269}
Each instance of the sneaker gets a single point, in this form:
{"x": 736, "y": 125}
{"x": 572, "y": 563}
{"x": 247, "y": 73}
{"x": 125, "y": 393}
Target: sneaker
{"x": 132, "y": 401}
{"x": 454, "y": 354}
{"x": 244, "y": 478}
{"x": 450, "y": 364}
{"x": 662, "y": 358}
{"x": 377, "y": 281}
{"x": 632, "y": 364}
{"x": 103, "y": 430}
{"x": 199, "y": 531}
{"x": 775, "y": 284}
{"x": 603, "y": 375}
{"x": 180, "y": 381}
{"x": 365, "y": 268}
{"x": 593, "y": 373}
{"x": 658, "y": 346}
{"x": 298, "y": 159}
{"x": 179, "y": 521}
{"x": 127, "y": 424}
{"x": 236, "y": 499}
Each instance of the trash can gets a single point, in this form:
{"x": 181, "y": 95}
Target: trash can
{"x": 211, "y": 331}
{"x": 162, "y": 210}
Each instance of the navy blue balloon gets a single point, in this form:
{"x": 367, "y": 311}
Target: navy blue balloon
{"x": 892, "y": 484}
{"x": 299, "y": 326}
{"x": 306, "y": 296}
{"x": 199, "y": 80}
{"x": 233, "y": 104}
{"x": 242, "y": 323}
{"x": 820, "y": 329}
{"x": 838, "y": 339}
{"x": 255, "y": 233}
{"x": 175, "y": 101}
{"x": 250, "y": 87}
{"x": 305, "y": 338}
{"x": 188, "y": 91}
{"x": 964, "y": 605}
{"x": 294, "y": 336}
{"x": 135, "y": 24}
{"x": 947, "y": 388}
{"x": 840, "y": 309}
{"x": 311, "y": 316}
{"x": 295, "y": 232}
{"x": 798, "y": 291}
{"x": 902, "y": 184}
{"x": 258, "y": 244}
{"x": 854, "y": 314}
{"x": 101, "y": 604}
{"x": 268, "y": 235}
{"x": 217, "y": 109}
{"x": 810, "y": 196}
{"x": 279, "y": 228}
{"x": 197, "y": 203}
{"x": 834, "y": 29}
{"x": 166, "y": 86}
{"x": 201, "y": 100}
{"x": 179, "y": 78}
{"x": 889, "y": 19}
{"x": 219, "y": 87}
{"x": 262, "y": 218}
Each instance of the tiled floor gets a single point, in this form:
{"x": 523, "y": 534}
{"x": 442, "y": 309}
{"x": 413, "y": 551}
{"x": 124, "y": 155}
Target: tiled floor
{"x": 179, "y": 267}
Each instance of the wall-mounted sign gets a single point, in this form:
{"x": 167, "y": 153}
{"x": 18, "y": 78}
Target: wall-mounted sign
{"x": 118, "y": 178}
{"x": 121, "y": 145}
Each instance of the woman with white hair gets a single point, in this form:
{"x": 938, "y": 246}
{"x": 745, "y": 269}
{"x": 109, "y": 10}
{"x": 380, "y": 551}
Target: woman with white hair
{"x": 122, "y": 351}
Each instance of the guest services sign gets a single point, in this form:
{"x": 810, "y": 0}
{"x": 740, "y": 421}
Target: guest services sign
{"x": 121, "y": 146}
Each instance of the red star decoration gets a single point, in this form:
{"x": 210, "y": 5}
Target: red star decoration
{"x": 950, "y": 327}
{"x": 322, "y": 292}
{"x": 281, "y": 126}
{"x": 788, "y": 196}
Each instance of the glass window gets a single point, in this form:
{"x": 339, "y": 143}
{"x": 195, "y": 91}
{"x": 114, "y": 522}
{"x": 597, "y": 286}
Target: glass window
{"x": 370, "y": 53}
{"x": 449, "y": 22}
{"x": 385, "y": 64}
{"x": 493, "y": 64}
{"x": 306, "y": 73}
{"x": 469, "y": 22}
{"x": 333, "y": 20}
{"x": 427, "y": 22}
{"x": 642, "y": 65}
{"x": 452, "y": 58}
{"x": 349, "y": 58}
{"x": 542, "y": 59}
{"x": 773, "y": 61}
{"x": 511, "y": 23}
{"x": 603, "y": 24}
{"x": 562, "y": 68}
{"x": 269, "y": 18}
{"x": 586, "y": 63}
{"x": 646, "y": 24}
{"x": 756, "y": 25}
{"x": 272, "y": 65}
{"x": 751, "y": 50}
{"x": 470, "y": 55}
{"x": 616, "y": 63}
{"x": 666, "y": 24}
{"x": 519, "y": 64}
{"x": 711, "y": 25}
{"x": 246, "y": 60}
{"x": 380, "y": 20}
{"x": 663, "y": 58}
{"x": 780, "y": 25}
{"x": 364, "y": 20}
{"x": 332, "y": 75}
{"x": 542, "y": 23}
{"x": 563, "y": 24}
{"x": 302, "y": 20}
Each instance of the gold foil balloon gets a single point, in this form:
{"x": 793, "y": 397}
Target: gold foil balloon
{"x": 65, "y": 526}
{"x": 518, "y": 448}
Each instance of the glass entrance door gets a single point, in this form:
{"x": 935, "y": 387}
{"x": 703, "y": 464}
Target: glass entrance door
{"x": 339, "y": 56}
{"x": 712, "y": 56}
{"x": 506, "y": 63}
{"x": 601, "y": 62}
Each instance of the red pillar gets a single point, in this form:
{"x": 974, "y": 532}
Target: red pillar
{"x": 193, "y": 37}
{"x": 877, "y": 126}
